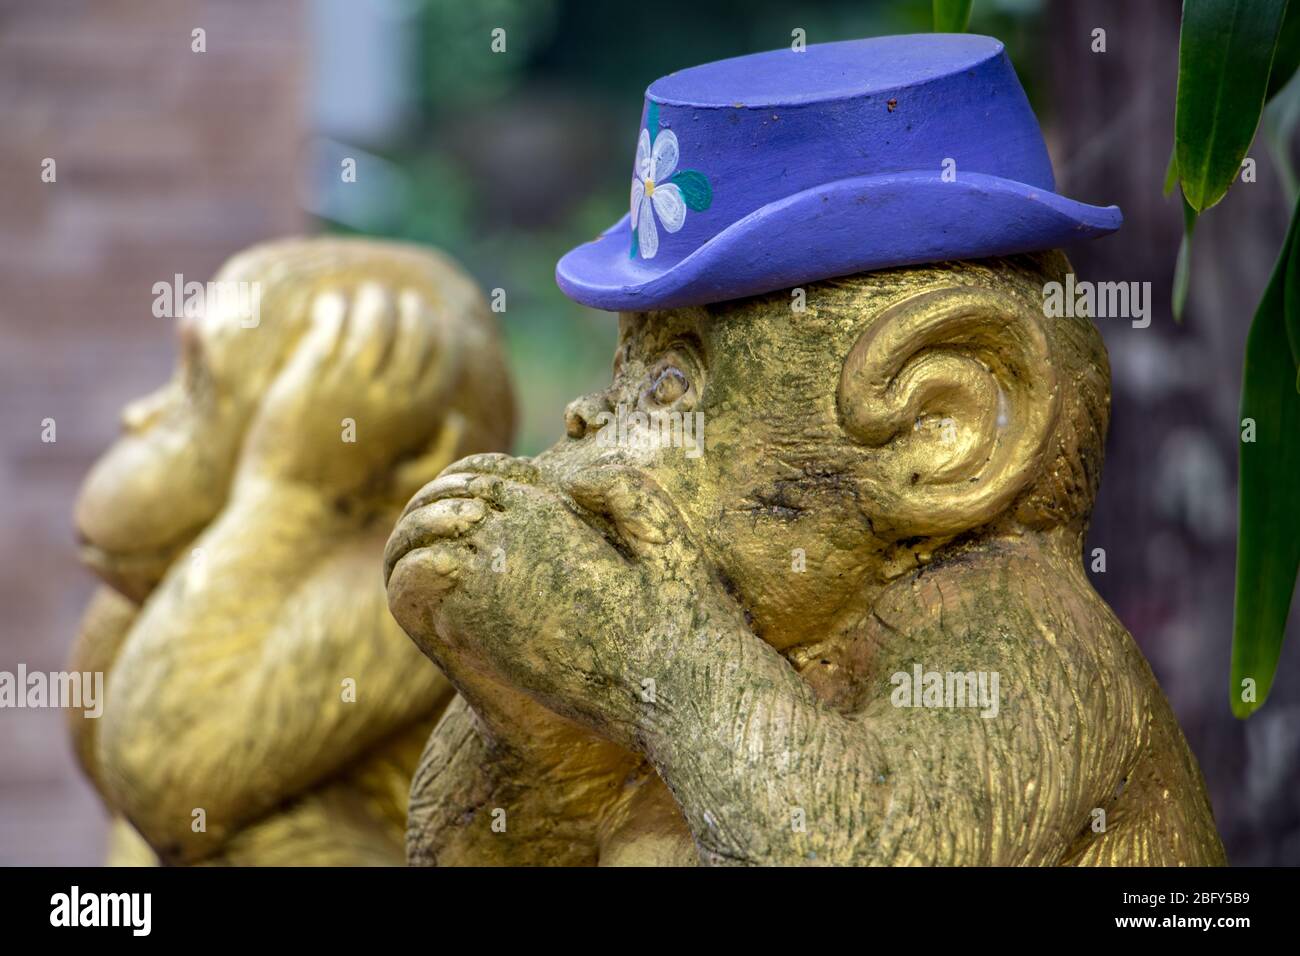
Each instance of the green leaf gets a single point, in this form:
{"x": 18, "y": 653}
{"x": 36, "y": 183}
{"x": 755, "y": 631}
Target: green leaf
{"x": 652, "y": 120}
{"x": 1225, "y": 54}
{"x": 1280, "y": 150}
{"x": 1268, "y": 537}
{"x": 951, "y": 16}
{"x": 1183, "y": 267}
{"x": 695, "y": 188}
{"x": 1287, "y": 57}
{"x": 1291, "y": 300}
{"x": 1278, "y": 126}
{"x": 1171, "y": 172}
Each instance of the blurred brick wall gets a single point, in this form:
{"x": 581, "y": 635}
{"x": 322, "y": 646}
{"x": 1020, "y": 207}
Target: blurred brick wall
{"x": 167, "y": 161}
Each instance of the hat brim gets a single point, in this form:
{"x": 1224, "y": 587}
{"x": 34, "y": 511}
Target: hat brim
{"x": 850, "y": 225}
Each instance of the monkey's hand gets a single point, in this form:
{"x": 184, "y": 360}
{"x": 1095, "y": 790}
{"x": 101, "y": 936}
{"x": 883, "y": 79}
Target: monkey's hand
{"x": 365, "y": 387}
{"x": 580, "y": 597}
{"x": 483, "y": 555}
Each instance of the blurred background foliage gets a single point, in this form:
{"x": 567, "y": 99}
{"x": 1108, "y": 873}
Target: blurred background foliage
{"x": 507, "y": 160}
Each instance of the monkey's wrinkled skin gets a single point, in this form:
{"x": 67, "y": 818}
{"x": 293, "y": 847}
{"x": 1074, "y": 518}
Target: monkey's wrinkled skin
{"x": 262, "y": 707}
{"x": 677, "y": 659}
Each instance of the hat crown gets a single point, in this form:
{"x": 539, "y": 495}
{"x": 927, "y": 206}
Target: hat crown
{"x": 825, "y": 71}
{"x": 777, "y": 169}
{"x": 745, "y": 132}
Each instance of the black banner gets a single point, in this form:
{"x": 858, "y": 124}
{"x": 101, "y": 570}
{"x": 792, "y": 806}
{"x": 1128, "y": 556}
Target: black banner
{"x": 580, "y": 907}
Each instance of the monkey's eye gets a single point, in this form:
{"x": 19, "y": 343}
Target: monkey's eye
{"x": 669, "y": 385}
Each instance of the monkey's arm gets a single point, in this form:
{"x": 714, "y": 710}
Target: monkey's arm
{"x": 104, "y": 627}
{"x": 261, "y": 666}
{"x": 754, "y": 758}
{"x": 508, "y": 783}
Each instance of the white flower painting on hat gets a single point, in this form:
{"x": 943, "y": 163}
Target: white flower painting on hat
{"x": 659, "y": 189}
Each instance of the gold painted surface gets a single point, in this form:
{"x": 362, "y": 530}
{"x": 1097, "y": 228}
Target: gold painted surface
{"x": 668, "y": 657}
{"x": 238, "y": 532}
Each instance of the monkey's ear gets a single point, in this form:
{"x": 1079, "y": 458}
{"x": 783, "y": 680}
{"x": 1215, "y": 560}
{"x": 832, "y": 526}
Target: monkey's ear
{"x": 957, "y": 389}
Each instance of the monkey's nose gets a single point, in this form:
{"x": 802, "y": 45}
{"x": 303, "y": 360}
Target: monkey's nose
{"x": 583, "y": 415}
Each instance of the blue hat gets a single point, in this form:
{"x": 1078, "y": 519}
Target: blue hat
{"x": 767, "y": 171}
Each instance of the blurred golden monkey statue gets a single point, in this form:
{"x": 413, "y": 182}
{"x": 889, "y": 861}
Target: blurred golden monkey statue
{"x": 262, "y": 706}
{"x": 799, "y": 587}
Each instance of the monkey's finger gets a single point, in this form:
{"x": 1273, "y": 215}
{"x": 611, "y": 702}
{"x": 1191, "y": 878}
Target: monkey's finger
{"x": 638, "y": 508}
{"x": 427, "y": 351}
{"x": 447, "y": 518}
{"x": 416, "y": 587}
{"x": 460, "y": 473}
{"x": 312, "y": 356}
{"x": 324, "y": 333}
{"x": 415, "y": 337}
{"x": 462, "y": 485}
{"x": 496, "y": 463}
{"x": 372, "y": 321}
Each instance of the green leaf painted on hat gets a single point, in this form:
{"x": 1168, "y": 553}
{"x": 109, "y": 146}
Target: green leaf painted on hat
{"x": 696, "y": 191}
{"x": 1225, "y": 55}
{"x": 652, "y": 120}
{"x": 631, "y": 253}
{"x": 1268, "y": 543}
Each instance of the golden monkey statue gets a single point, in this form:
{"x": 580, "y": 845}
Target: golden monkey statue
{"x": 846, "y": 623}
{"x": 262, "y": 705}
